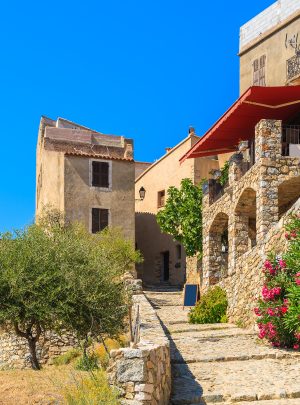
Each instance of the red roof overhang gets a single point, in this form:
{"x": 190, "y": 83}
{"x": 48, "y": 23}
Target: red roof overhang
{"x": 238, "y": 123}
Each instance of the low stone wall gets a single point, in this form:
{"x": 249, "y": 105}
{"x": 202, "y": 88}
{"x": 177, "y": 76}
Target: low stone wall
{"x": 143, "y": 371}
{"x": 14, "y": 352}
{"x": 243, "y": 286}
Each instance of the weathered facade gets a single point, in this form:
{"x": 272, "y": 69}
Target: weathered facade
{"x": 270, "y": 46}
{"x": 164, "y": 258}
{"x": 241, "y": 226}
{"x": 87, "y": 175}
{"x": 244, "y": 219}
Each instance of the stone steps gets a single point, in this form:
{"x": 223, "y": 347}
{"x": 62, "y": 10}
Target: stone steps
{"x": 224, "y": 364}
{"x": 236, "y": 381}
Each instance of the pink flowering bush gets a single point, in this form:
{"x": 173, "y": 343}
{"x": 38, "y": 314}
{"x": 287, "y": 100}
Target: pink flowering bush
{"x": 278, "y": 309}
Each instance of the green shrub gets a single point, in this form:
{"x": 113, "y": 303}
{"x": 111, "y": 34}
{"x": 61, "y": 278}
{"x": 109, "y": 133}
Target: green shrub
{"x": 87, "y": 362}
{"x": 91, "y": 390}
{"x": 211, "y": 307}
{"x": 67, "y": 357}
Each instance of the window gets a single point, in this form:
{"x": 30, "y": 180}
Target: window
{"x": 99, "y": 219}
{"x": 259, "y": 76}
{"x": 100, "y": 174}
{"x": 178, "y": 252}
{"x": 161, "y": 198}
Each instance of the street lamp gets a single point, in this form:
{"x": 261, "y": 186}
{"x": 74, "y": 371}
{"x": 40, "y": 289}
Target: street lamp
{"x": 142, "y": 193}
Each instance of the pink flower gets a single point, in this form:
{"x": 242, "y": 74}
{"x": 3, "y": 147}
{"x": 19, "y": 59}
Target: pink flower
{"x": 297, "y": 335}
{"x": 257, "y": 311}
{"x": 268, "y": 264}
{"x": 283, "y": 309}
{"x": 287, "y": 236}
{"x": 282, "y": 264}
{"x": 297, "y": 281}
{"x": 270, "y": 312}
{"x": 270, "y": 294}
{"x": 296, "y": 346}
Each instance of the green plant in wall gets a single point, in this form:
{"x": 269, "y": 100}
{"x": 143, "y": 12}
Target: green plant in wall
{"x": 223, "y": 179}
{"x": 182, "y": 216}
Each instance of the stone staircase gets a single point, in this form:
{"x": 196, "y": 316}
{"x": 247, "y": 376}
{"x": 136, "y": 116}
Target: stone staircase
{"x": 222, "y": 363}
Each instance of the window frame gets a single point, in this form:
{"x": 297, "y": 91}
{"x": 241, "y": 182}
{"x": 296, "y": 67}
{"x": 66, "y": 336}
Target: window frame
{"x": 159, "y": 205}
{"x": 91, "y": 218}
{"x": 109, "y": 188}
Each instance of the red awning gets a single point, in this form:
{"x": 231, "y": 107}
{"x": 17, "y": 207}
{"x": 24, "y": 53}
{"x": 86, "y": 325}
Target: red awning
{"x": 238, "y": 123}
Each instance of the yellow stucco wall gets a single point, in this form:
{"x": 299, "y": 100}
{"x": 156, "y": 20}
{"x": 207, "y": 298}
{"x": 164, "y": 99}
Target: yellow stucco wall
{"x": 273, "y": 45}
{"x": 80, "y": 197}
{"x": 50, "y": 180}
{"x": 150, "y": 240}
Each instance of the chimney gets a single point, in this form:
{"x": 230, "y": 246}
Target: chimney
{"x": 191, "y": 130}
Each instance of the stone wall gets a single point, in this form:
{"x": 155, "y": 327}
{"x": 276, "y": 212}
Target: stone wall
{"x": 252, "y": 210}
{"x": 143, "y": 371}
{"x": 14, "y": 352}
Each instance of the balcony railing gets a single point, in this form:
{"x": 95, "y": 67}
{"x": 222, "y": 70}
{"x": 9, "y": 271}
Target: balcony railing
{"x": 290, "y": 135}
{"x": 293, "y": 67}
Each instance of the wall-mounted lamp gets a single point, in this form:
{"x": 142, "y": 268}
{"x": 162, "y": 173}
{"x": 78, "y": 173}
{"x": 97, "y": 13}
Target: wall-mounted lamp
{"x": 142, "y": 193}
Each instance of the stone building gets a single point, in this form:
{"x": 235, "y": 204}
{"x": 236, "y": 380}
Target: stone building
{"x": 164, "y": 259}
{"x": 270, "y": 47}
{"x": 87, "y": 175}
{"x": 243, "y": 221}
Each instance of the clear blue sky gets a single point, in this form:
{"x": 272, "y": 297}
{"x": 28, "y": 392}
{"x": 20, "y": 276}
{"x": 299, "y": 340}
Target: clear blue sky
{"x": 144, "y": 69}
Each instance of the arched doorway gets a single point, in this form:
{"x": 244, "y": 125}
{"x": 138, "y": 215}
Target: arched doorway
{"x": 218, "y": 248}
{"x": 245, "y": 222}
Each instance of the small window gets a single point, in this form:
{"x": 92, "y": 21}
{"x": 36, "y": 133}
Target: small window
{"x": 259, "y": 75}
{"x": 178, "y": 252}
{"x": 100, "y": 174}
{"x": 161, "y": 198}
{"x": 99, "y": 219}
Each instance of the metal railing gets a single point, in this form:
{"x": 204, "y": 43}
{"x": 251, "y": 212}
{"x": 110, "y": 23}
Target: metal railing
{"x": 293, "y": 67}
{"x": 290, "y": 135}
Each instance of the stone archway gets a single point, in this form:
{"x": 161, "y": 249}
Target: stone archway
{"x": 218, "y": 248}
{"x": 245, "y": 222}
{"x": 288, "y": 194}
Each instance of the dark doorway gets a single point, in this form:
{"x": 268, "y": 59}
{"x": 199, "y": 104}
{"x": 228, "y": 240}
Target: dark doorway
{"x": 165, "y": 263}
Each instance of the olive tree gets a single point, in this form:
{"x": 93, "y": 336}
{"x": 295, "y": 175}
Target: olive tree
{"x": 182, "y": 216}
{"x": 56, "y": 276}
{"x": 30, "y": 285}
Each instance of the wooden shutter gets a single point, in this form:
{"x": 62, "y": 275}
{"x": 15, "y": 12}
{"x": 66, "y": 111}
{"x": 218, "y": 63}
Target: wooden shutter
{"x": 103, "y": 218}
{"x": 96, "y": 174}
{"x": 104, "y": 174}
{"x": 161, "y": 198}
{"x": 100, "y": 174}
{"x": 262, "y": 75}
{"x": 95, "y": 220}
{"x": 255, "y": 73}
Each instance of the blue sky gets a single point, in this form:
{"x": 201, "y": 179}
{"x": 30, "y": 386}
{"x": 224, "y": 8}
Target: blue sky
{"x": 144, "y": 69}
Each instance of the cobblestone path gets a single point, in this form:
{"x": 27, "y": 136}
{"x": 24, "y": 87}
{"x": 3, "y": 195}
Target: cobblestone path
{"x": 222, "y": 363}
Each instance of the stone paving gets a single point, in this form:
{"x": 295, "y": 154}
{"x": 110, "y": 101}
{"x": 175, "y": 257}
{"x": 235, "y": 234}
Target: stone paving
{"x": 222, "y": 363}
